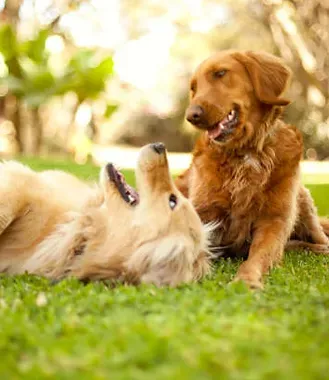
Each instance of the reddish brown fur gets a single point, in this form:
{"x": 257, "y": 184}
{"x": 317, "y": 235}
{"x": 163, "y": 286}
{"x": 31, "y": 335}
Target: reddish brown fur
{"x": 250, "y": 182}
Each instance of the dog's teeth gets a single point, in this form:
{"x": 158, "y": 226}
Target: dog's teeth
{"x": 131, "y": 198}
{"x": 222, "y": 127}
{"x": 230, "y": 116}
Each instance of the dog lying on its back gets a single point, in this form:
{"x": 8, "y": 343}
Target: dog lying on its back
{"x": 53, "y": 225}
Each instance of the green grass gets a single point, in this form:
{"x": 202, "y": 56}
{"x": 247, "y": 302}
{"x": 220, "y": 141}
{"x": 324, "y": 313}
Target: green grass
{"x": 210, "y": 330}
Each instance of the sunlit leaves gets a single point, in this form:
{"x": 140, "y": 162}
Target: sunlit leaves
{"x": 30, "y": 78}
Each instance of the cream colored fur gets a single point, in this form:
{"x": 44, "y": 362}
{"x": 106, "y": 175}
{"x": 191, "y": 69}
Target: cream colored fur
{"x": 53, "y": 225}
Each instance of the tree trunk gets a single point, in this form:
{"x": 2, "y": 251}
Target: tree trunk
{"x": 37, "y": 131}
{"x": 12, "y": 112}
{"x": 17, "y": 122}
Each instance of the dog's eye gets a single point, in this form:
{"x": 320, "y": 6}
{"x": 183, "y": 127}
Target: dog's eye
{"x": 172, "y": 201}
{"x": 219, "y": 73}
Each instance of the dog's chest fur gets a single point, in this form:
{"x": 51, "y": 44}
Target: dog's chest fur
{"x": 234, "y": 196}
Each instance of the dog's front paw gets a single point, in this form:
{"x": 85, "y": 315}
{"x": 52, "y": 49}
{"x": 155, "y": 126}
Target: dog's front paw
{"x": 252, "y": 283}
{"x": 251, "y": 277}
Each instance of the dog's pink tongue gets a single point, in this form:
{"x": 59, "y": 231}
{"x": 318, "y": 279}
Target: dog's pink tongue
{"x": 216, "y": 132}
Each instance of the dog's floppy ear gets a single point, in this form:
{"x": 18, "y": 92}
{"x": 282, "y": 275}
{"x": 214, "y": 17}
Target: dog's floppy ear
{"x": 268, "y": 74}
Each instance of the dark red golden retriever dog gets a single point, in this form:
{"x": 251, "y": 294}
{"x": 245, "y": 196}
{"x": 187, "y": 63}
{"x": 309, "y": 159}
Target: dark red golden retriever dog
{"x": 245, "y": 172}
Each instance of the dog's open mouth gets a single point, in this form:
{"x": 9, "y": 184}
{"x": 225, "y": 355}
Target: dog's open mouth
{"x": 225, "y": 126}
{"x": 128, "y": 193}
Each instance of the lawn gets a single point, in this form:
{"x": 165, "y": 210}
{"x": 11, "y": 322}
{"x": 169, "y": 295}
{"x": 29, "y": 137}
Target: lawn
{"x": 210, "y": 330}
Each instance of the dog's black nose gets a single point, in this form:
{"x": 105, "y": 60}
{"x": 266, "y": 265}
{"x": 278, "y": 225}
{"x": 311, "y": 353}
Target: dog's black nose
{"x": 159, "y": 147}
{"x": 194, "y": 114}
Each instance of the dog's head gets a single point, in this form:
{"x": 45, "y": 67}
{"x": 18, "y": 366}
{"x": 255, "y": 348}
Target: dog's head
{"x": 232, "y": 92}
{"x": 168, "y": 240}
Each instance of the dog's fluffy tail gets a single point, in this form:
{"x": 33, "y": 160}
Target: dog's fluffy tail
{"x": 325, "y": 225}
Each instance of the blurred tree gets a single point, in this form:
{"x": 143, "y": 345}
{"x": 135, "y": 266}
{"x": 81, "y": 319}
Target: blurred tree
{"x": 10, "y": 15}
{"x": 29, "y": 79}
{"x": 86, "y": 75}
{"x": 300, "y": 31}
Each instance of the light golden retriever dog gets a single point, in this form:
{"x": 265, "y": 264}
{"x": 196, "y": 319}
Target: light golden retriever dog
{"x": 53, "y": 225}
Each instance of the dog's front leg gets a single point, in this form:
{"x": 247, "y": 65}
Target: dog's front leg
{"x": 265, "y": 251}
{"x": 271, "y": 231}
